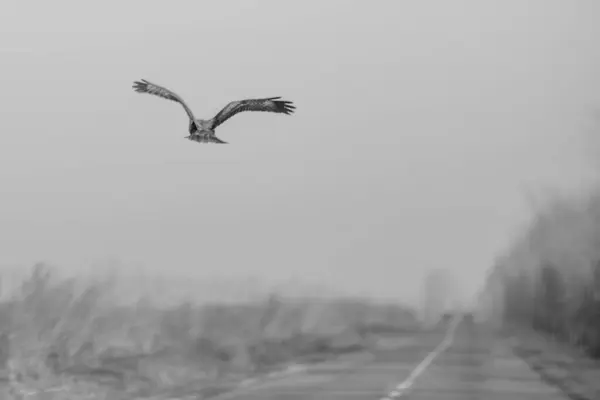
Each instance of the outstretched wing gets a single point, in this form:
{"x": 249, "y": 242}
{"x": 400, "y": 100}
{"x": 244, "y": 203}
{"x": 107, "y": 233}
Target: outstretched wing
{"x": 147, "y": 87}
{"x": 271, "y": 104}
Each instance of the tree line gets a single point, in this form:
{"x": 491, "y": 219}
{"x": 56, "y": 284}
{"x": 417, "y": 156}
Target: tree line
{"x": 549, "y": 279}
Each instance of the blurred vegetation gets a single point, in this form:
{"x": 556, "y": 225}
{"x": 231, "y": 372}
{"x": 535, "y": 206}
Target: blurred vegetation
{"x": 59, "y": 336}
{"x": 549, "y": 279}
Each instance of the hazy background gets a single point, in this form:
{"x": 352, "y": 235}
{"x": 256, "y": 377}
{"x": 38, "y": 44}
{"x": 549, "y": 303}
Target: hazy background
{"x": 420, "y": 127}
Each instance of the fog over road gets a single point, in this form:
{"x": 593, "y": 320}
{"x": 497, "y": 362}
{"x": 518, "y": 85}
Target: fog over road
{"x": 477, "y": 364}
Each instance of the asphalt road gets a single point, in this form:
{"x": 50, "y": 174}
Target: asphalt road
{"x": 480, "y": 365}
{"x": 476, "y": 364}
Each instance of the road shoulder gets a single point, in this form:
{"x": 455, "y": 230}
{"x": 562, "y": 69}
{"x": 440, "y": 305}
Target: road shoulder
{"x": 558, "y": 364}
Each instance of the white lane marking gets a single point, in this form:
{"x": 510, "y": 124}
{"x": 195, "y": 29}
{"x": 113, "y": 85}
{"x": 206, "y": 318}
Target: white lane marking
{"x": 419, "y": 369}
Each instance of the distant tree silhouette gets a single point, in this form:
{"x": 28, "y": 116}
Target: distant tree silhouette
{"x": 549, "y": 301}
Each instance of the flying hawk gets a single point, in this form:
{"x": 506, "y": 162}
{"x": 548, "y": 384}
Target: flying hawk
{"x": 203, "y": 131}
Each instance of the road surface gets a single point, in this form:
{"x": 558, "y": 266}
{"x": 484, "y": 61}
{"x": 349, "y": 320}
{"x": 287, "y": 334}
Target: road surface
{"x": 468, "y": 364}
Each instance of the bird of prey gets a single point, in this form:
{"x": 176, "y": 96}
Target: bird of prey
{"x": 203, "y": 131}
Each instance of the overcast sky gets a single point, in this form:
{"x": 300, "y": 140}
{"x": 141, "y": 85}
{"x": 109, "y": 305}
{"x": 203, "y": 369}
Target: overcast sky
{"x": 418, "y": 127}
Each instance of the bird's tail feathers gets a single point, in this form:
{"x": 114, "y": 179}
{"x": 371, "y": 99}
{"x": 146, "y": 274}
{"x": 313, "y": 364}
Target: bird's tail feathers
{"x": 206, "y": 139}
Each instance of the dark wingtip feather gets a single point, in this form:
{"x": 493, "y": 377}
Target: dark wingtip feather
{"x": 139, "y": 86}
{"x": 283, "y": 106}
{"x": 287, "y": 107}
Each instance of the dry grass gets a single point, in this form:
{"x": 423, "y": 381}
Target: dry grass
{"x": 65, "y": 339}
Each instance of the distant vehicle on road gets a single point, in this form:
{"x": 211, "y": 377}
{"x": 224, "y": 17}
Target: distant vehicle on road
{"x": 467, "y": 317}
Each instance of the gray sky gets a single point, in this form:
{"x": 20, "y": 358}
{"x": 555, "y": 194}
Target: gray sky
{"x": 418, "y": 125}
